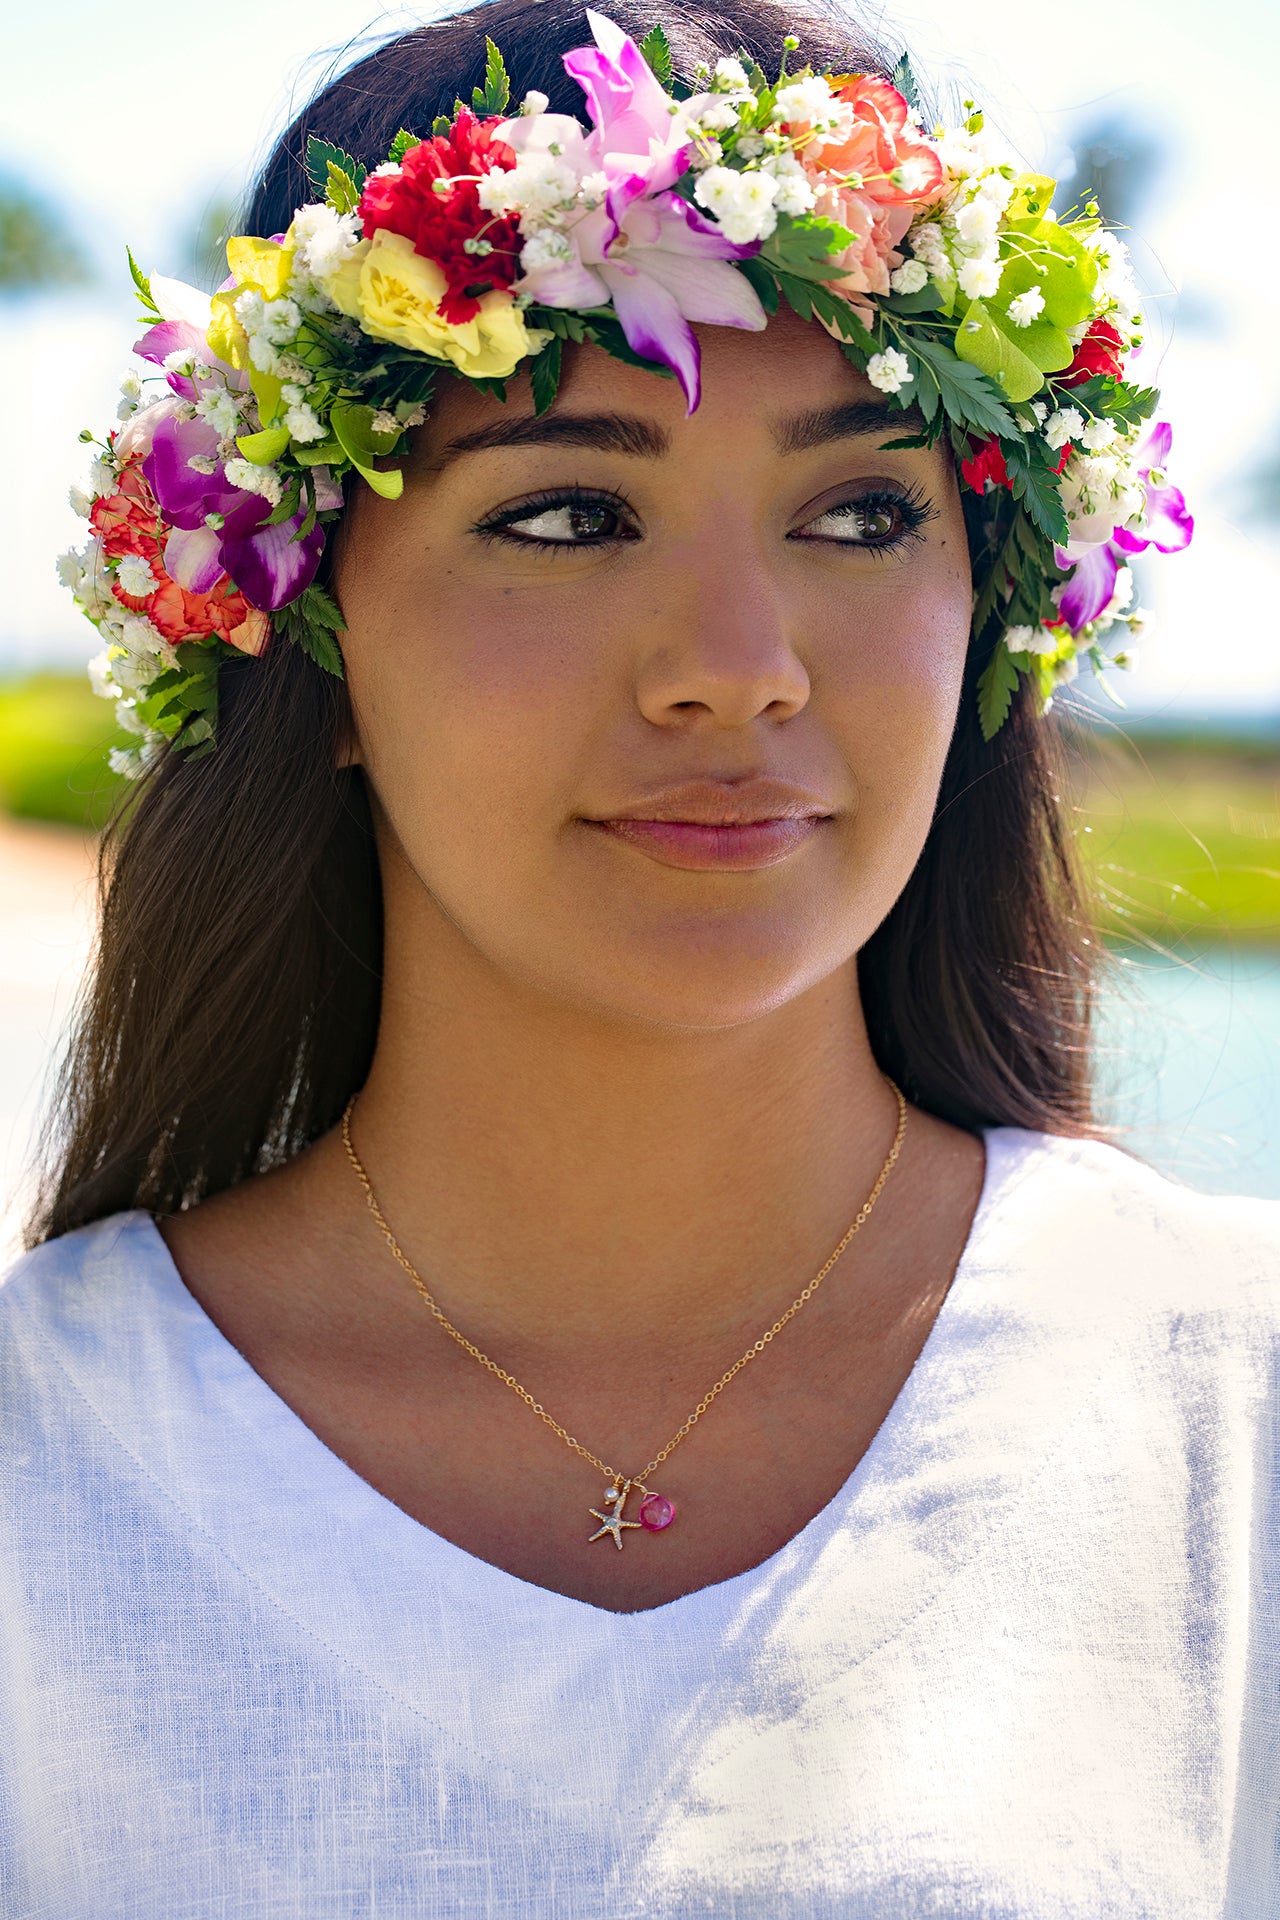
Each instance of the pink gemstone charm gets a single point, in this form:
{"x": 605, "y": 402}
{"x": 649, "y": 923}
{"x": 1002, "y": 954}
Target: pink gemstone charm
{"x": 656, "y": 1512}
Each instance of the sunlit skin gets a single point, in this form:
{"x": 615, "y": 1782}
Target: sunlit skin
{"x": 621, "y": 1110}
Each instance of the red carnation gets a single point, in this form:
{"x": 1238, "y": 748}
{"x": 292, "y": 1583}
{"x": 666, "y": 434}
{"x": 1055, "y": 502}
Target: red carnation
{"x": 180, "y": 615}
{"x": 128, "y": 520}
{"x": 1101, "y": 351}
{"x": 440, "y": 224}
{"x": 987, "y": 463}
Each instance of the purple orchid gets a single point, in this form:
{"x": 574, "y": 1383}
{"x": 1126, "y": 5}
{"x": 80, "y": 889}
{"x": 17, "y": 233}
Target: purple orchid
{"x": 268, "y": 564}
{"x": 1166, "y": 525}
{"x": 659, "y": 260}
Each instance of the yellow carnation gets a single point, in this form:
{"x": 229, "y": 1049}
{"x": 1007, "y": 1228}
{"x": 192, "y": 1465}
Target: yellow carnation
{"x": 262, "y": 265}
{"x": 395, "y": 294}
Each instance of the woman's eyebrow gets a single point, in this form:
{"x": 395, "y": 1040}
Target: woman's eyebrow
{"x": 850, "y": 419}
{"x": 606, "y": 432}
{"x": 632, "y": 434}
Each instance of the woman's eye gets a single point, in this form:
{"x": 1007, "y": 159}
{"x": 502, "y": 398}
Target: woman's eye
{"x": 876, "y": 521}
{"x": 561, "y": 523}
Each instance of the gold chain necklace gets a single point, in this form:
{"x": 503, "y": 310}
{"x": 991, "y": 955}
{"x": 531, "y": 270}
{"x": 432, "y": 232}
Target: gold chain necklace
{"x": 656, "y": 1510}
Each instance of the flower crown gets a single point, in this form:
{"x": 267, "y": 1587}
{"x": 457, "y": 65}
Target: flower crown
{"x": 936, "y": 263}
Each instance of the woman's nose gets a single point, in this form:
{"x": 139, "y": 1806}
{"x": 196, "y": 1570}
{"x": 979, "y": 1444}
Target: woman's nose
{"x": 722, "y": 646}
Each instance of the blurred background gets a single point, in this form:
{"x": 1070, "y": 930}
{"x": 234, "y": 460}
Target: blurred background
{"x": 1161, "y": 111}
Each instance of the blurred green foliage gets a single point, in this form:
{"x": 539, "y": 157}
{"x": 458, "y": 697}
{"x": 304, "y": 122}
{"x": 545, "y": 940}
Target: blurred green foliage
{"x": 1181, "y": 834}
{"x": 36, "y": 247}
{"x": 54, "y": 736}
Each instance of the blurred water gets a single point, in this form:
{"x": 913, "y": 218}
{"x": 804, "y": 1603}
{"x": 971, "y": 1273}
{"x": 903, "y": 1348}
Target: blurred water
{"x": 1189, "y": 1059}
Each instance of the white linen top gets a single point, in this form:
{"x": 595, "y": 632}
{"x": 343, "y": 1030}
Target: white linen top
{"x": 1024, "y": 1666}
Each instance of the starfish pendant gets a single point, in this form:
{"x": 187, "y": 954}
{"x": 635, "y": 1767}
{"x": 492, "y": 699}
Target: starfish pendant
{"x": 612, "y": 1523}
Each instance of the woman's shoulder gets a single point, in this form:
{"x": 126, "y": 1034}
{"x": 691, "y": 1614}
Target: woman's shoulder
{"x": 1124, "y": 1230}
{"x": 70, "y": 1289}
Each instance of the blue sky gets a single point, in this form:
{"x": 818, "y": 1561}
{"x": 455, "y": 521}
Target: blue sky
{"x": 133, "y": 132}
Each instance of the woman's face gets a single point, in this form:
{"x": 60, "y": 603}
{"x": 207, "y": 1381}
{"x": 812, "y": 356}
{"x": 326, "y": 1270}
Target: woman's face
{"x": 568, "y": 619}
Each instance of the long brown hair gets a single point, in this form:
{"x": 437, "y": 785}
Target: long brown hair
{"x": 233, "y": 1001}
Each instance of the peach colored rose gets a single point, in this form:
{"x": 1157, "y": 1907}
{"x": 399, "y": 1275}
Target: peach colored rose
{"x": 872, "y": 174}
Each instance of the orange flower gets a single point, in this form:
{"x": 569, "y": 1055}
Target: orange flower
{"x": 128, "y": 520}
{"x": 181, "y": 615}
{"x": 894, "y": 165}
{"x": 871, "y": 173}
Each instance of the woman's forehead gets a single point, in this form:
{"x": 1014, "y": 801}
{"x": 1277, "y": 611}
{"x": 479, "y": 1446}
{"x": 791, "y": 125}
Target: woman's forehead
{"x": 753, "y": 386}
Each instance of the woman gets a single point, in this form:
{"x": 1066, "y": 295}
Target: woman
{"x": 625, "y": 1551}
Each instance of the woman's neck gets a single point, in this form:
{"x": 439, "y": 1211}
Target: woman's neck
{"x": 526, "y": 1151}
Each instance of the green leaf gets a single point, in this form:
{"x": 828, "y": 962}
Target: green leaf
{"x": 353, "y": 430}
{"x": 966, "y": 394}
{"x": 809, "y": 297}
{"x": 1036, "y": 486}
{"x": 926, "y": 299}
{"x": 905, "y": 81}
{"x": 323, "y": 610}
{"x": 912, "y": 440}
{"x": 402, "y": 144}
{"x": 984, "y": 345}
{"x": 997, "y": 685}
{"x": 182, "y": 703}
{"x": 440, "y": 126}
{"x": 605, "y": 331}
{"x": 341, "y": 192}
{"x": 321, "y": 155}
{"x": 1127, "y": 406}
{"x": 840, "y": 315}
{"x": 496, "y": 92}
{"x": 498, "y": 388}
{"x": 994, "y": 583}
{"x": 763, "y": 280}
{"x": 1046, "y": 255}
{"x": 544, "y": 374}
{"x": 558, "y": 320}
{"x": 143, "y": 287}
{"x": 260, "y": 449}
{"x": 796, "y": 293}
{"x": 310, "y": 622}
{"x": 288, "y": 504}
{"x": 804, "y": 245}
{"x": 324, "y": 454}
{"x": 268, "y": 391}
{"x": 757, "y": 79}
{"x": 656, "y": 49}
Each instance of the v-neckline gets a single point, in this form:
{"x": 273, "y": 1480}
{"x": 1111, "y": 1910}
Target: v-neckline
{"x": 258, "y": 1411}
{"x": 286, "y": 1539}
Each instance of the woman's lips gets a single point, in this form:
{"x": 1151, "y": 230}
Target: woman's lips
{"x": 685, "y": 843}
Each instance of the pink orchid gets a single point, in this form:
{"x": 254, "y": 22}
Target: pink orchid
{"x": 183, "y": 327}
{"x": 659, "y": 260}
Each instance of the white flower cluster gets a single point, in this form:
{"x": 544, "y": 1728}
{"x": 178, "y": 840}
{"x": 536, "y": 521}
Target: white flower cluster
{"x": 744, "y": 204}
{"x": 324, "y": 240}
{"x": 135, "y": 650}
{"x": 1101, "y": 485}
{"x": 1119, "y": 297}
{"x": 959, "y": 244}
